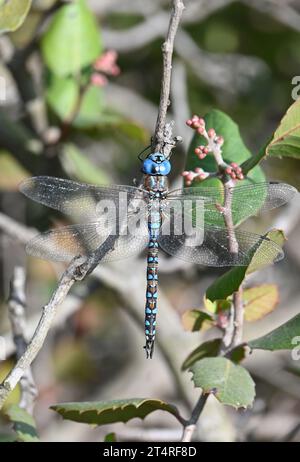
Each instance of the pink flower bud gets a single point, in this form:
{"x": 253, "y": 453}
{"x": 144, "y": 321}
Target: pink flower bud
{"x": 234, "y": 164}
{"x": 202, "y": 121}
{"x": 198, "y": 150}
{"x": 198, "y": 170}
{"x": 211, "y": 133}
{"x": 205, "y": 150}
{"x": 233, "y": 175}
{"x": 202, "y": 156}
{"x": 107, "y": 63}
{"x": 201, "y": 130}
{"x": 220, "y": 140}
{"x": 189, "y": 122}
{"x": 98, "y": 80}
{"x": 185, "y": 173}
{"x": 228, "y": 170}
{"x": 240, "y": 176}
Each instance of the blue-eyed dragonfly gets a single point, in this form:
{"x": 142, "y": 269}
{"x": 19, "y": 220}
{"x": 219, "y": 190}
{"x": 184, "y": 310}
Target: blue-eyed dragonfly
{"x": 147, "y": 214}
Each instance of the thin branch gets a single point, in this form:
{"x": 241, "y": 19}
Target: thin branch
{"x": 238, "y": 320}
{"x": 191, "y": 424}
{"x": 167, "y": 49}
{"x": 75, "y": 271}
{"x": 16, "y": 310}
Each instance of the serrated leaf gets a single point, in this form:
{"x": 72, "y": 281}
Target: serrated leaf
{"x": 260, "y": 301}
{"x": 13, "y": 14}
{"x": 230, "y": 384}
{"x": 72, "y": 40}
{"x": 107, "y": 412}
{"x": 193, "y": 320}
{"x": 229, "y": 282}
{"x": 233, "y": 150}
{"x": 286, "y": 139}
{"x": 62, "y": 96}
{"x": 206, "y": 349}
{"x": 282, "y": 338}
{"x": 23, "y": 424}
{"x": 79, "y": 167}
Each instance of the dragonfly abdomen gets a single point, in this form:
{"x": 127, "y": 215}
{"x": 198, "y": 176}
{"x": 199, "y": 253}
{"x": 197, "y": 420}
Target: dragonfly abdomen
{"x": 154, "y": 224}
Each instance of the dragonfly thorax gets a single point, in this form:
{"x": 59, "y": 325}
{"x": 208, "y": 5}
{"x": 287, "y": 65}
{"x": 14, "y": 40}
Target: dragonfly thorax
{"x": 156, "y": 164}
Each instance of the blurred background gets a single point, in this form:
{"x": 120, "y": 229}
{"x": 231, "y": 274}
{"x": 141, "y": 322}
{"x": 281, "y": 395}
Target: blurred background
{"x": 237, "y": 56}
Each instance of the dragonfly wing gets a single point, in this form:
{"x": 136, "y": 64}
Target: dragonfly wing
{"x": 212, "y": 247}
{"x": 83, "y": 202}
{"x": 85, "y": 240}
{"x": 252, "y": 197}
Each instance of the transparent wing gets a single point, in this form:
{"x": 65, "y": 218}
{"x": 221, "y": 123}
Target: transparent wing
{"x": 213, "y": 248}
{"x": 83, "y": 202}
{"x": 251, "y": 197}
{"x": 85, "y": 240}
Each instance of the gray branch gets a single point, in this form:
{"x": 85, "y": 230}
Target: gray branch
{"x": 16, "y": 310}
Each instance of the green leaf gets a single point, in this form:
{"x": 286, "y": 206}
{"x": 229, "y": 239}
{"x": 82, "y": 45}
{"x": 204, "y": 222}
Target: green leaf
{"x": 281, "y": 338}
{"x": 63, "y": 95}
{"x": 226, "y": 284}
{"x": 229, "y": 282}
{"x": 13, "y": 14}
{"x": 72, "y": 41}
{"x": 12, "y": 173}
{"x": 193, "y": 320}
{"x": 23, "y": 424}
{"x": 110, "y": 438}
{"x": 254, "y": 160}
{"x": 286, "y": 139}
{"x": 233, "y": 150}
{"x": 79, "y": 167}
{"x": 210, "y": 349}
{"x": 231, "y": 384}
{"x": 107, "y": 412}
{"x": 260, "y": 301}
{"x": 206, "y": 349}
{"x": 238, "y": 353}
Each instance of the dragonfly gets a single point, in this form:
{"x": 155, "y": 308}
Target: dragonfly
{"x": 119, "y": 221}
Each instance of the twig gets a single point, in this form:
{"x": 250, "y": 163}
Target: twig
{"x": 234, "y": 329}
{"x": 190, "y": 426}
{"x": 238, "y": 320}
{"x": 167, "y": 49}
{"x": 16, "y": 309}
{"x": 75, "y": 271}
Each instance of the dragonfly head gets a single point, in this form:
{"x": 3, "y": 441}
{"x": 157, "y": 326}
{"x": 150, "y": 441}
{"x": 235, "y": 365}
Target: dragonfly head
{"x": 156, "y": 164}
